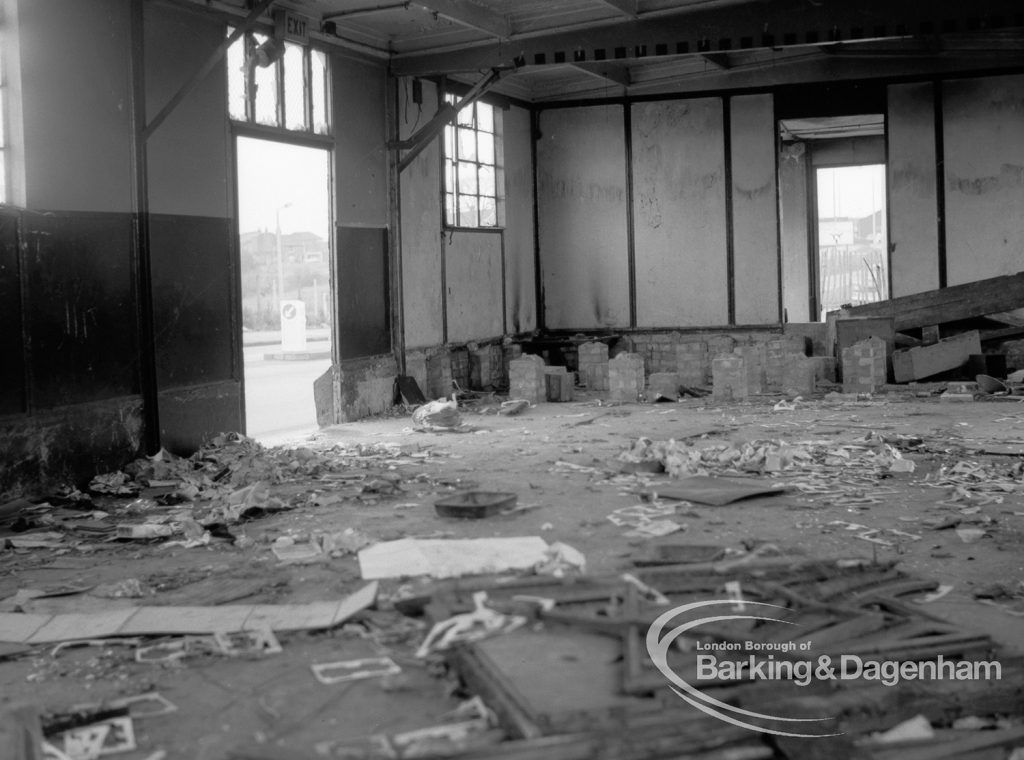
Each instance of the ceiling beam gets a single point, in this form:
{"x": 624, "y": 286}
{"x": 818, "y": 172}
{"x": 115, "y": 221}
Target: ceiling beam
{"x": 759, "y": 25}
{"x": 628, "y": 8}
{"x": 721, "y": 60}
{"x": 471, "y": 15}
{"x": 615, "y": 74}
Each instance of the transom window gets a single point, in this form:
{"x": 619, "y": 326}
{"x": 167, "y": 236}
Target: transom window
{"x": 474, "y": 176}
{"x": 278, "y": 84}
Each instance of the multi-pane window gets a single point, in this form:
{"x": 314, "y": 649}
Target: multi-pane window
{"x": 474, "y": 175}
{"x": 277, "y": 84}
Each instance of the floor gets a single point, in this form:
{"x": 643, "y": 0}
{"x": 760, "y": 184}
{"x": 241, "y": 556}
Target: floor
{"x": 955, "y": 515}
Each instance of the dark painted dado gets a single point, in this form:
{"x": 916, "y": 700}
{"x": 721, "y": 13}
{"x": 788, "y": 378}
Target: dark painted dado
{"x": 362, "y": 285}
{"x": 12, "y": 345}
{"x": 193, "y": 314}
{"x": 79, "y": 307}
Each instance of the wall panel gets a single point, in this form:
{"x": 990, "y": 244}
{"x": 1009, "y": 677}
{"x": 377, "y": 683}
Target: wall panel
{"x": 983, "y": 125}
{"x": 81, "y": 313}
{"x": 76, "y": 101}
{"x": 679, "y": 210}
{"x": 13, "y": 390}
{"x": 581, "y": 186}
{"x": 362, "y": 285}
{"x": 473, "y": 264}
{"x": 422, "y": 256}
{"x": 520, "y": 268}
{"x": 754, "y": 209}
{"x": 913, "y": 192}
{"x": 361, "y": 165}
{"x": 796, "y": 274}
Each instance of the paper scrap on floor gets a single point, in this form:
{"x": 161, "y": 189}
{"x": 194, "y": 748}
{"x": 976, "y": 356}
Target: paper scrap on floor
{"x": 450, "y": 558}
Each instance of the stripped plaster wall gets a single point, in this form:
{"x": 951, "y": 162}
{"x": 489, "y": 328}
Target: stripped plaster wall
{"x": 461, "y": 285}
{"x": 913, "y": 193}
{"x": 983, "y": 128}
{"x": 582, "y": 217}
{"x": 755, "y": 215}
{"x": 679, "y": 202}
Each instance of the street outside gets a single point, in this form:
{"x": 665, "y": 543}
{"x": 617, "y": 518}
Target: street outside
{"x": 279, "y": 403}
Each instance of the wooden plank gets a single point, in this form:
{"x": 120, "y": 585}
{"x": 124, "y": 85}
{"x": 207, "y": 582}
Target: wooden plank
{"x": 973, "y": 299}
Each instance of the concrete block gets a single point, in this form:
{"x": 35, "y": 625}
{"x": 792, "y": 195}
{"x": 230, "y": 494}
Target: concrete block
{"x": 926, "y": 361}
{"x": 355, "y": 389}
{"x": 526, "y": 379}
{"x": 439, "y": 376}
{"x": 799, "y": 376}
{"x": 813, "y": 333}
{"x": 692, "y": 363}
{"x": 754, "y": 360}
{"x": 592, "y": 363}
{"x": 729, "y": 378}
{"x": 864, "y": 366}
{"x": 720, "y": 344}
{"x": 416, "y": 368}
{"x": 558, "y": 382}
{"x": 663, "y": 384}
{"x": 626, "y": 377}
{"x": 824, "y": 368}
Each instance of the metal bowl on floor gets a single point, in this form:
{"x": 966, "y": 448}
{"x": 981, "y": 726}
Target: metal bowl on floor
{"x": 474, "y": 504}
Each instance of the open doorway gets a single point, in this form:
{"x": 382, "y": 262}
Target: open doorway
{"x": 832, "y": 209}
{"x": 284, "y": 224}
{"x": 852, "y": 264}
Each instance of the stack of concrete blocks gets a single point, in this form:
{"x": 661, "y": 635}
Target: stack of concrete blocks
{"x": 439, "y": 376}
{"x": 593, "y": 365}
{"x": 626, "y": 377}
{"x": 717, "y": 345}
{"x": 558, "y": 382}
{"x": 824, "y": 368}
{"x": 754, "y": 359}
{"x": 460, "y": 367}
{"x": 526, "y": 379}
{"x": 778, "y": 353}
{"x": 692, "y": 363}
{"x": 864, "y": 366}
{"x": 799, "y": 376}
{"x": 661, "y": 352}
{"x": 729, "y": 378}
{"x": 486, "y": 367}
{"x": 664, "y": 384}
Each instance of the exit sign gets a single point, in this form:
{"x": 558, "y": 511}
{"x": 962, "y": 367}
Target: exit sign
{"x": 292, "y": 26}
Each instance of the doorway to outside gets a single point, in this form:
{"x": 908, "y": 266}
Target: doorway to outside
{"x": 284, "y": 224}
{"x": 851, "y": 237}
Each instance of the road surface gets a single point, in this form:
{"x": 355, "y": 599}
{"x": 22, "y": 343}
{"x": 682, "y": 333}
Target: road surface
{"x": 279, "y": 394}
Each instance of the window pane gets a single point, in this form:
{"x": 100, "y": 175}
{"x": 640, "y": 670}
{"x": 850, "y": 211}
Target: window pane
{"x": 321, "y": 123}
{"x": 467, "y": 144}
{"x": 449, "y": 176}
{"x": 488, "y": 213}
{"x": 484, "y": 117}
{"x": 487, "y": 181}
{"x": 294, "y": 87}
{"x": 449, "y": 209}
{"x": 449, "y": 142}
{"x": 467, "y": 211}
{"x": 236, "y": 79}
{"x": 266, "y": 95}
{"x": 485, "y": 143}
{"x": 467, "y": 178}
{"x": 466, "y": 116}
